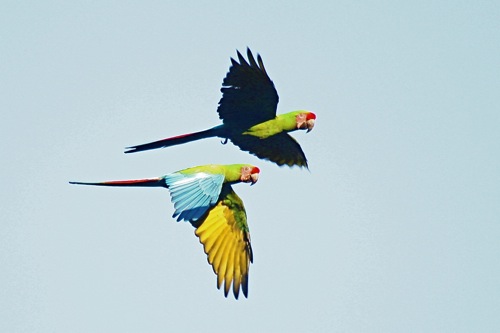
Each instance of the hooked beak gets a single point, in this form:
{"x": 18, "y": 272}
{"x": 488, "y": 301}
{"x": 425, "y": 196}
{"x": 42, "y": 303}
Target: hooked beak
{"x": 310, "y": 125}
{"x": 306, "y": 121}
{"x": 254, "y": 177}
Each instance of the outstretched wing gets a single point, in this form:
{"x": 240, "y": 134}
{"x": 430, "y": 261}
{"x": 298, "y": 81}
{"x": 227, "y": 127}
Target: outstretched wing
{"x": 280, "y": 148}
{"x": 193, "y": 194}
{"x": 226, "y": 240}
{"x": 248, "y": 94}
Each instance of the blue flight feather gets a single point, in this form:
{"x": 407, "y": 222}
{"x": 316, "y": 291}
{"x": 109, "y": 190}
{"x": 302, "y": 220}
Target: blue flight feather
{"x": 193, "y": 194}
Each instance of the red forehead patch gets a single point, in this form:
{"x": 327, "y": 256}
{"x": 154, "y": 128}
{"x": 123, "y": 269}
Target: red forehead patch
{"x": 310, "y": 115}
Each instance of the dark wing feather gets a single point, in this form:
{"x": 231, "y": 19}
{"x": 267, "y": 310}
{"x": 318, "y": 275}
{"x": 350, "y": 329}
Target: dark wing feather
{"x": 280, "y": 148}
{"x": 248, "y": 94}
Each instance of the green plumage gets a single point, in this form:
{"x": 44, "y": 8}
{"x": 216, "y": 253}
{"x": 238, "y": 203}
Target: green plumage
{"x": 248, "y": 113}
{"x": 231, "y": 172}
{"x": 203, "y": 196}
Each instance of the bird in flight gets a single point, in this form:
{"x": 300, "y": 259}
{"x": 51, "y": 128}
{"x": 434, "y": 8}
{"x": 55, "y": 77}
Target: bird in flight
{"x": 248, "y": 113}
{"x": 203, "y": 196}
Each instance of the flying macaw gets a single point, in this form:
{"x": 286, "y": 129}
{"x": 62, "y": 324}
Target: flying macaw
{"x": 248, "y": 112}
{"x": 203, "y": 196}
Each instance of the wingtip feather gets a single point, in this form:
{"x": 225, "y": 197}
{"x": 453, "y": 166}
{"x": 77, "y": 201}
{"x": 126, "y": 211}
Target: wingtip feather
{"x": 242, "y": 60}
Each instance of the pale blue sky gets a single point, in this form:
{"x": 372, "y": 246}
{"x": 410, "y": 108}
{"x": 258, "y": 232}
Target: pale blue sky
{"x": 395, "y": 228}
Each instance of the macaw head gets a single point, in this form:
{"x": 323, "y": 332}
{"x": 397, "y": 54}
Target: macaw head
{"x": 305, "y": 120}
{"x": 249, "y": 174}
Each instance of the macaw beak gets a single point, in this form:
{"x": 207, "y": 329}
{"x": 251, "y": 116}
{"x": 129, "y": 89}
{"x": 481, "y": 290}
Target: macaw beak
{"x": 254, "y": 177}
{"x": 310, "y": 125}
{"x": 305, "y": 121}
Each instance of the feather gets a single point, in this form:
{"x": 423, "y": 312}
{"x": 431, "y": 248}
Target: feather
{"x": 223, "y": 233}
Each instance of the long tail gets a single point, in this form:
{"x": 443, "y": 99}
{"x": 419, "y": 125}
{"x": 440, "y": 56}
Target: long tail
{"x": 149, "y": 182}
{"x": 180, "y": 139}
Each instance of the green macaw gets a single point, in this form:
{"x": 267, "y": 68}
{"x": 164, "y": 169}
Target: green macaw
{"x": 248, "y": 112}
{"x": 203, "y": 196}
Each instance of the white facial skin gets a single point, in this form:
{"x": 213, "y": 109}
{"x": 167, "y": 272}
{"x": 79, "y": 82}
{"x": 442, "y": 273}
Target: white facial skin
{"x": 249, "y": 174}
{"x": 304, "y": 123}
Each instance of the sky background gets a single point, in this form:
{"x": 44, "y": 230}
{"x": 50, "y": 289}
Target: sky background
{"x": 395, "y": 228}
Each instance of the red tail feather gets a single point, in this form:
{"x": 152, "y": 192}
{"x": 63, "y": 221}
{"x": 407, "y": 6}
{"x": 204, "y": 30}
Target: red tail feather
{"x": 148, "y": 182}
{"x": 177, "y": 140}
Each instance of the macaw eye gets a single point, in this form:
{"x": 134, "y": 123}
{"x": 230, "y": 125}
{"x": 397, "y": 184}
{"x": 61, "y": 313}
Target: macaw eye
{"x": 301, "y": 117}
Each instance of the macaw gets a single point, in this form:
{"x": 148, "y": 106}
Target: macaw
{"x": 203, "y": 196}
{"x": 248, "y": 112}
